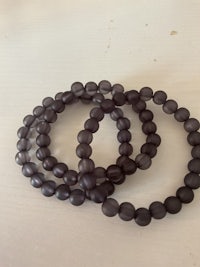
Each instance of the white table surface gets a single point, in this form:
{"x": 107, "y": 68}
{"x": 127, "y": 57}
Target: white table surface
{"x": 44, "y": 47}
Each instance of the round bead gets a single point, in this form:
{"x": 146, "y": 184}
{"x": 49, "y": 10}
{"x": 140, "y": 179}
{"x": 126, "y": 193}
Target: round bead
{"x": 23, "y": 132}
{"x": 194, "y": 138}
{"x": 157, "y": 210}
{"x": 47, "y": 101}
{"x": 194, "y": 165}
{"x": 87, "y": 181}
{"x": 191, "y": 125}
{"x": 107, "y": 105}
{"x": 139, "y": 106}
{"x": 125, "y": 149}
{"x": 42, "y": 153}
{"x": 124, "y": 136}
{"x": 38, "y": 111}
{"x": 67, "y": 97}
{"x": 70, "y": 177}
{"x": 99, "y": 172}
{"x": 43, "y": 127}
{"x": 50, "y": 116}
{"x": 62, "y": 192}
{"x": 192, "y": 180}
{"x": 119, "y": 99}
{"x": 98, "y": 194}
{"x": 126, "y": 211}
{"x": 182, "y": 114}
{"x": 98, "y": 98}
{"x": 196, "y": 152}
{"x": 91, "y": 125}
{"x": 185, "y": 194}
{"x": 29, "y": 120}
{"x": 77, "y": 197}
{"x": 149, "y": 127}
{"x": 159, "y": 97}
{"x": 146, "y": 115}
{"x": 154, "y": 139}
{"x": 173, "y": 204}
{"x": 132, "y": 97}
{"x": 116, "y": 114}
{"x": 170, "y": 106}
{"x": 146, "y": 93}
{"x": 86, "y": 166}
{"x": 22, "y": 157}
{"x": 85, "y": 98}
{"x": 58, "y": 106}
{"x": 97, "y": 113}
{"x": 77, "y": 89}
{"x": 24, "y": 144}
{"x": 48, "y": 163}
{"x": 142, "y": 216}
{"x": 37, "y": 179}
{"x": 48, "y": 188}
{"x": 143, "y": 161}
{"x": 105, "y": 87}
{"x": 128, "y": 165}
{"x": 149, "y": 149}
{"x": 83, "y": 151}
{"x": 85, "y": 137}
{"x": 29, "y": 169}
{"x": 43, "y": 140}
{"x": 123, "y": 124}
{"x": 108, "y": 187}
{"x": 117, "y": 88}
{"x": 110, "y": 207}
{"x": 58, "y": 96}
{"x": 113, "y": 172}
{"x": 91, "y": 88}
{"x": 60, "y": 169}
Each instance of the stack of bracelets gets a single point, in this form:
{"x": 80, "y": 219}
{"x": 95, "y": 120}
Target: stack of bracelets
{"x": 97, "y": 183}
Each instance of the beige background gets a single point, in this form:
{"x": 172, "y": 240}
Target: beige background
{"x": 44, "y": 47}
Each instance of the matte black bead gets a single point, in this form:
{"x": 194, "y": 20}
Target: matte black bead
{"x": 48, "y": 163}
{"x": 87, "y": 181}
{"x": 67, "y": 97}
{"x": 149, "y": 127}
{"x": 196, "y": 152}
{"x": 185, "y": 194}
{"x": 91, "y": 88}
{"x": 58, "y": 96}
{"x": 24, "y": 144}
{"x": 124, "y": 136}
{"x": 70, "y": 177}
{"x": 22, "y": 157}
{"x": 85, "y": 98}
{"x": 29, "y": 121}
{"x": 105, "y": 87}
{"x": 85, "y": 137}
{"x": 108, "y": 187}
{"x": 62, "y": 192}
{"x": 83, "y": 151}
{"x": 173, "y": 204}
{"x": 117, "y": 88}
{"x": 119, "y": 99}
{"x": 194, "y": 165}
{"x": 125, "y": 149}
{"x": 154, "y": 139}
{"x": 38, "y": 111}
{"x": 50, "y": 116}
{"x": 132, "y": 97}
{"x": 37, "y": 179}
{"x": 191, "y": 125}
{"x": 43, "y": 127}
{"x": 99, "y": 172}
{"x": 29, "y": 169}
{"x": 77, "y": 197}
{"x": 142, "y": 216}
{"x": 143, "y": 161}
{"x": 149, "y": 149}
{"x": 110, "y": 207}
{"x": 194, "y": 138}
{"x": 86, "y": 166}
{"x": 48, "y": 188}
{"x": 182, "y": 114}
{"x": 192, "y": 180}
{"x": 91, "y": 125}
{"x": 123, "y": 124}
{"x": 146, "y": 93}
{"x": 126, "y": 211}
{"x": 128, "y": 165}
{"x": 97, "y": 113}
{"x": 77, "y": 89}
{"x": 98, "y": 194}
{"x": 146, "y": 115}
{"x": 121, "y": 179}
{"x": 107, "y": 105}
{"x": 139, "y": 106}
{"x": 159, "y": 97}
{"x": 60, "y": 169}
{"x": 113, "y": 172}
{"x": 58, "y": 106}
{"x": 170, "y": 106}
{"x": 116, "y": 114}
{"x": 42, "y": 153}
{"x": 43, "y": 140}
{"x": 98, "y": 98}
{"x": 47, "y": 102}
{"x": 23, "y": 132}
{"x": 157, "y": 210}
